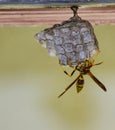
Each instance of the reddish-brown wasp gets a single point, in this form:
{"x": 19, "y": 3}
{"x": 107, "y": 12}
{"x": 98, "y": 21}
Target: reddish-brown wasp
{"x": 83, "y": 68}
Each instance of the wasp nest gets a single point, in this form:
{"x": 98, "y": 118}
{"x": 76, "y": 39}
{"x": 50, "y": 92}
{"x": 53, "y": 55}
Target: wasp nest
{"x": 73, "y": 41}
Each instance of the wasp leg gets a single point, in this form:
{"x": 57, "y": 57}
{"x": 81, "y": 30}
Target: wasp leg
{"x": 67, "y": 72}
{"x": 69, "y": 86}
{"x": 97, "y": 81}
{"x": 80, "y": 83}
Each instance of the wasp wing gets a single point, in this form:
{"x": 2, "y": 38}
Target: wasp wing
{"x": 69, "y": 86}
{"x": 101, "y": 85}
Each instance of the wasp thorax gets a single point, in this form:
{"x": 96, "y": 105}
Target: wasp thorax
{"x": 72, "y": 42}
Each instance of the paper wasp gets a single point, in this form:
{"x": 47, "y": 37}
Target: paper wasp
{"x": 83, "y": 68}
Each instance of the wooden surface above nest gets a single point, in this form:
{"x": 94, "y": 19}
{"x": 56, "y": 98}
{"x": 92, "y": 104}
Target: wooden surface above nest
{"x": 50, "y": 16}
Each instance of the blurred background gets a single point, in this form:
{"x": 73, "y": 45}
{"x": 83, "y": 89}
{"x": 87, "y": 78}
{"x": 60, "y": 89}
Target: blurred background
{"x": 31, "y": 80}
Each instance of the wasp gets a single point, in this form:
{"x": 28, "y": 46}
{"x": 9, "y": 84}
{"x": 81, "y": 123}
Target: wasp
{"x": 84, "y": 69}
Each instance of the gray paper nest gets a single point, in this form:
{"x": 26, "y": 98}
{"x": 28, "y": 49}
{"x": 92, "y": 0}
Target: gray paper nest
{"x": 73, "y": 41}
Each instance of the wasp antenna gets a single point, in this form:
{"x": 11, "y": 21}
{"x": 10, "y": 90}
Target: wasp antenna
{"x": 98, "y": 63}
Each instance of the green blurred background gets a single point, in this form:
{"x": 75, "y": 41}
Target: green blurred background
{"x": 31, "y": 80}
